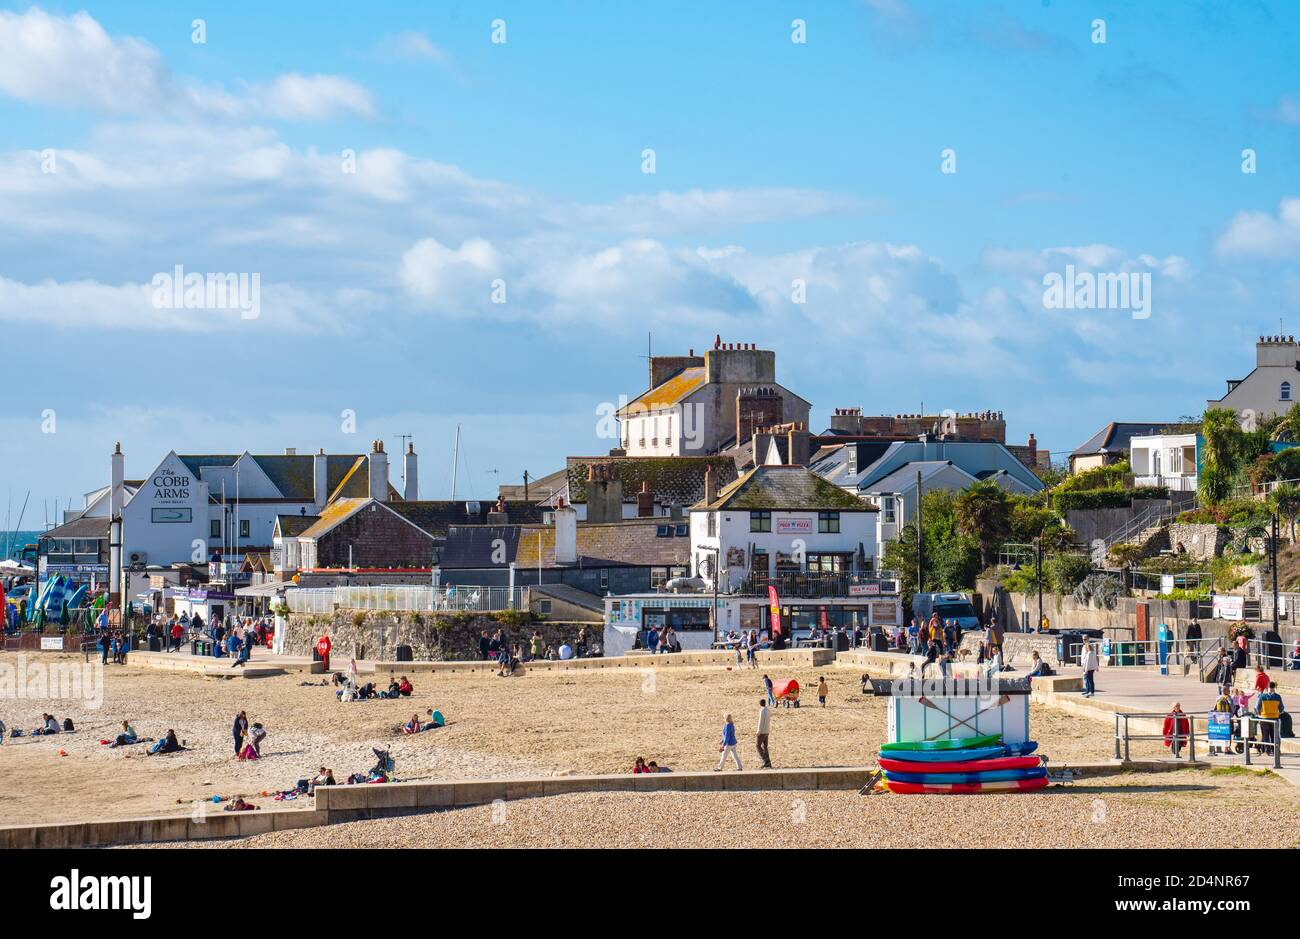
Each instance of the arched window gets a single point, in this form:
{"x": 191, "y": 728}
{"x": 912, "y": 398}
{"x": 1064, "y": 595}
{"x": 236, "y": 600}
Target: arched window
{"x": 1285, "y": 393}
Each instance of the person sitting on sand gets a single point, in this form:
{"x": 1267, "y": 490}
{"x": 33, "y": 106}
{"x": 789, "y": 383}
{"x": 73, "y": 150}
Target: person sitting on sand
{"x": 435, "y": 719}
{"x": 392, "y": 691}
{"x": 126, "y": 737}
{"x": 404, "y": 687}
{"x": 413, "y": 726}
{"x": 167, "y": 744}
{"x": 239, "y": 805}
{"x": 324, "y": 778}
{"x": 639, "y": 766}
{"x": 653, "y": 767}
{"x": 50, "y": 726}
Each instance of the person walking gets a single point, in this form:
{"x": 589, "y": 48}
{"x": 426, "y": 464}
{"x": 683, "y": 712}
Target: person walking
{"x": 822, "y": 690}
{"x": 764, "y": 729}
{"x": 1089, "y": 662}
{"x": 767, "y": 685}
{"x": 728, "y": 745}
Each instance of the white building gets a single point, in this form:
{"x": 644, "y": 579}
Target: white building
{"x": 190, "y": 509}
{"x": 776, "y": 522}
{"x": 1164, "y": 460}
{"x": 1271, "y": 387}
{"x": 703, "y": 404}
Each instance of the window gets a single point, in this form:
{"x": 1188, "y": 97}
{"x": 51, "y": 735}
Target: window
{"x": 1285, "y": 393}
{"x": 658, "y": 577}
{"x": 760, "y": 521}
{"x": 828, "y": 563}
{"x": 828, "y": 523}
{"x": 890, "y": 507}
{"x": 604, "y": 578}
{"x": 243, "y": 527}
{"x": 216, "y": 528}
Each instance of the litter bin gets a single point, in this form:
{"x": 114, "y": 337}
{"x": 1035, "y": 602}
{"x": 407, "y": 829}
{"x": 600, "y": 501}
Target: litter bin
{"x": 841, "y": 641}
{"x": 404, "y": 654}
{"x": 1129, "y": 653}
{"x": 1067, "y": 647}
{"x": 879, "y": 642}
{"x": 155, "y": 644}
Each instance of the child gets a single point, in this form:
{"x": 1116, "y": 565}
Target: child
{"x": 822, "y": 690}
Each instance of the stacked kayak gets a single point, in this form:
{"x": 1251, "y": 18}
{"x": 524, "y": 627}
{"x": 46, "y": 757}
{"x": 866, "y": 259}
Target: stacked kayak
{"x": 973, "y": 764}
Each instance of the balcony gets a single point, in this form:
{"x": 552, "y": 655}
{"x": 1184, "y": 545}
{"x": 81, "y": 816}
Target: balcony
{"x": 1179, "y": 483}
{"x": 812, "y": 585}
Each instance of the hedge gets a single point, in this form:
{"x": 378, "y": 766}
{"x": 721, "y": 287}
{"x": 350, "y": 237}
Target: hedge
{"x": 1092, "y": 499}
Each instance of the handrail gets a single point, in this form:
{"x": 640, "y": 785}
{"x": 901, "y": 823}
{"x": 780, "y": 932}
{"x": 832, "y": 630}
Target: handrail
{"x": 1125, "y": 737}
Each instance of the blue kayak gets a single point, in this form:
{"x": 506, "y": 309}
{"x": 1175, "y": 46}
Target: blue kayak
{"x": 997, "y": 775}
{"x": 974, "y": 753}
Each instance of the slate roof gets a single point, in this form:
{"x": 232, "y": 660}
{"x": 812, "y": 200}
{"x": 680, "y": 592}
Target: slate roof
{"x": 672, "y": 479}
{"x": 293, "y": 474}
{"x": 84, "y": 527}
{"x": 784, "y": 488}
{"x": 475, "y": 546}
{"x": 291, "y": 526}
{"x": 903, "y": 479}
{"x": 1115, "y": 437}
{"x": 539, "y": 487}
{"x": 436, "y": 516}
{"x": 570, "y": 594}
{"x": 630, "y": 543}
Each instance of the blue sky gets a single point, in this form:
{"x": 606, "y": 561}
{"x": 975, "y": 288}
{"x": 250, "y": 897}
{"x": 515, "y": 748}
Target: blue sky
{"x": 521, "y": 161}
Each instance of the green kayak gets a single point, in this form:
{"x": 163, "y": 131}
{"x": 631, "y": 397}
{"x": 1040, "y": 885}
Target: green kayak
{"x": 948, "y": 744}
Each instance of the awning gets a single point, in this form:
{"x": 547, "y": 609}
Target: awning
{"x": 265, "y": 590}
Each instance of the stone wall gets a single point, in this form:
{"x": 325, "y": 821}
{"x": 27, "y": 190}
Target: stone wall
{"x": 1203, "y": 541}
{"x": 433, "y": 637}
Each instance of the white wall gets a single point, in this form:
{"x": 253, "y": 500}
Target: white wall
{"x": 791, "y": 531}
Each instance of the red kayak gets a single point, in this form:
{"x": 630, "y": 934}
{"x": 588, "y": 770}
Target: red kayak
{"x": 959, "y": 766}
{"x": 1009, "y": 785}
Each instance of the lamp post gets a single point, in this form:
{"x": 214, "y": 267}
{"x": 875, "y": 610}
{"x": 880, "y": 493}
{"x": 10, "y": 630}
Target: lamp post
{"x": 1038, "y": 578}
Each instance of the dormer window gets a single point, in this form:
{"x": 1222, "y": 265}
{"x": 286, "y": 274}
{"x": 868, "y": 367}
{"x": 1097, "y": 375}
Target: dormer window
{"x": 1285, "y": 393}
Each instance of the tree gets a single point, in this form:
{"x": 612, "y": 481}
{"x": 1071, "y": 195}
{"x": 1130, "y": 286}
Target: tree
{"x": 1224, "y": 446}
{"x": 983, "y": 513}
{"x": 1285, "y": 501}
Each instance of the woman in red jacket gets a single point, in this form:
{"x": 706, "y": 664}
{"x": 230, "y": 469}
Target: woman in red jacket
{"x": 1177, "y": 730}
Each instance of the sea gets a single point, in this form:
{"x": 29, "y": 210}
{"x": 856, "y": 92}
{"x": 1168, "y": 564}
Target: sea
{"x": 11, "y": 542}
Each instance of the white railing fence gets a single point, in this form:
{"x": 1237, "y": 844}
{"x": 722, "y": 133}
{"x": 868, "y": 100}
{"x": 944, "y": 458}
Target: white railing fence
{"x": 404, "y": 598}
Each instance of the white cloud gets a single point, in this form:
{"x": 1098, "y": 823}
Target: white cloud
{"x": 1261, "y": 235}
{"x": 412, "y": 46}
{"x": 72, "y": 61}
{"x": 312, "y": 98}
{"x": 451, "y": 280}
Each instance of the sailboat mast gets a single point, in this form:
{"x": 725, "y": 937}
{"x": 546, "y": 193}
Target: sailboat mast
{"x": 455, "y": 464}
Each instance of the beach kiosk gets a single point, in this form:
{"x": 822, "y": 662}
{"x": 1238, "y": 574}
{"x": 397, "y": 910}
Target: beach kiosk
{"x": 955, "y": 708}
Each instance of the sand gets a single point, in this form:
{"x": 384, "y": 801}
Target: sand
{"x": 542, "y": 723}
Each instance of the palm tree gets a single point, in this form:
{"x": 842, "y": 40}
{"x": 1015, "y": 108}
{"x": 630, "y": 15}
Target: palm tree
{"x": 1285, "y": 501}
{"x": 984, "y": 513}
{"x": 1223, "y": 447}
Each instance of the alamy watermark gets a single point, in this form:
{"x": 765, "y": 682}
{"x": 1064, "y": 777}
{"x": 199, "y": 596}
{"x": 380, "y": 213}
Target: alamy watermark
{"x": 82, "y": 682}
{"x": 1090, "y": 290}
{"x": 212, "y": 291}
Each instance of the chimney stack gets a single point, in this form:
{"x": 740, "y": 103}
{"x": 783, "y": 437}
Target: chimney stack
{"x": 119, "y": 479}
{"x": 378, "y": 465}
{"x": 320, "y": 479}
{"x": 410, "y": 475}
{"x": 645, "y": 501}
{"x": 709, "y": 494}
{"x": 566, "y": 534}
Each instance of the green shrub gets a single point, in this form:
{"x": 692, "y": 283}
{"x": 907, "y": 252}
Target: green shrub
{"x": 1074, "y": 500}
{"x": 1064, "y": 572}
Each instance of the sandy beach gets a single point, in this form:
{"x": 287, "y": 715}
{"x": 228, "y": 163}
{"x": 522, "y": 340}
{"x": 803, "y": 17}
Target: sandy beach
{"x": 538, "y": 724}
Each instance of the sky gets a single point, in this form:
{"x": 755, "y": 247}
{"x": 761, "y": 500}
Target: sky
{"x": 480, "y": 214}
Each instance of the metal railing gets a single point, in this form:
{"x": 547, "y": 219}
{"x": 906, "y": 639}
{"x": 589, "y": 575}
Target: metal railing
{"x": 1249, "y": 724}
{"x": 1123, "y": 736}
{"x": 1177, "y": 483}
{"x": 1155, "y": 514}
{"x": 404, "y": 598}
{"x": 812, "y": 585}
